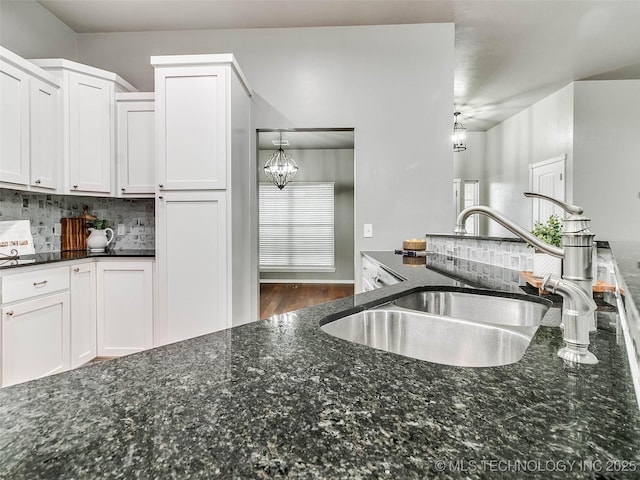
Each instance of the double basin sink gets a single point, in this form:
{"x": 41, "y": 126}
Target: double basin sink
{"x": 451, "y": 326}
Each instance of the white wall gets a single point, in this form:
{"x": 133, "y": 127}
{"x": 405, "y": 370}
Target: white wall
{"x": 607, "y": 156}
{"x": 31, "y": 31}
{"x": 393, "y": 84}
{"x": 539, "y": 132}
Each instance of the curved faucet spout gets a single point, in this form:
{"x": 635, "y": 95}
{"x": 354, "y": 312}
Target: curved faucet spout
{"x": 509, "y": 224}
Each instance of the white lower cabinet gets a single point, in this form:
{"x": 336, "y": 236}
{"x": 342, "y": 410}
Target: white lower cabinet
{"x": 35, "y": 338}
{"x": 192, "y": 285}
{"x": 83, "y": 313}
{"x": 125, "y": 307}
{"x": 54, "y": 319}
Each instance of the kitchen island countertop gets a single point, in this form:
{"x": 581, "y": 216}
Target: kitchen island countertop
{"x": 279, "y": 398}
{"x": 66, "y": 256}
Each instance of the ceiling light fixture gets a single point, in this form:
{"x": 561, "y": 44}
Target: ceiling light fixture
{"x": 459, "y": 135}
{"x": 280, "y": 168}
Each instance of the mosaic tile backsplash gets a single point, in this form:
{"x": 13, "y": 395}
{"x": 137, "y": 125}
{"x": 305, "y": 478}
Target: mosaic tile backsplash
{"x": 514, "y": 255}
{"x": 45, "y": 211}
{"x": 507, "y": 254}
{"x": 479, "y": 274}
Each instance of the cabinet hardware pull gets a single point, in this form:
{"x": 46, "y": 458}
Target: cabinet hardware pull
{"x": 123, "y": 189}
{"x": 76, "y": 269}
{"x": 75, "y": 186}
{"x": 37, "y": 182}
{"x": 161, "y": 185}
{"x": 10, "y": 313}
{"x": 44, "y": 282}
{"x": 160, "y": 197}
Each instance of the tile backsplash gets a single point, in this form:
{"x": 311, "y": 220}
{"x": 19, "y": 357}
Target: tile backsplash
{"x": 46, "y": 210}
{"x": 502, "y": 253}
{"x": 512, "y": 254}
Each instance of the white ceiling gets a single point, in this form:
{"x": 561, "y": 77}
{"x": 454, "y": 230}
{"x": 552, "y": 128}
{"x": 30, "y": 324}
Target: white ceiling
{"x": 306, "y": 139}
{"x": 509, "y": 53}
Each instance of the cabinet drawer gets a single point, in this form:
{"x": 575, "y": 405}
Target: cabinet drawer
{"x": 32, "y": 284}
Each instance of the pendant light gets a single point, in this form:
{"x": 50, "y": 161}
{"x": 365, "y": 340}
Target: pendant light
{"x": 459, "y": 135}
{"x": 280, "y": 168}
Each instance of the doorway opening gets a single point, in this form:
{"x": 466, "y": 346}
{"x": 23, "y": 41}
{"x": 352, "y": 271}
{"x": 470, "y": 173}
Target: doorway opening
{"x": 306, "y": 229}
{"x": 547, "y": 177}
{"x": 466, "y": 193}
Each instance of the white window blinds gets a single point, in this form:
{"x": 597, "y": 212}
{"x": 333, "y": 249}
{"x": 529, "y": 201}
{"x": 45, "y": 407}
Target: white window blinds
{"x": 297, "y": 227}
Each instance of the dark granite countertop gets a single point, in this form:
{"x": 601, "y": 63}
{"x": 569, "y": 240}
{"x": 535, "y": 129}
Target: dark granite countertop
{"x": 475, "y": 237}
{"x": 279, "y": 398}
{"x": 627, "y": 256}
{"x": 55, "y": 257}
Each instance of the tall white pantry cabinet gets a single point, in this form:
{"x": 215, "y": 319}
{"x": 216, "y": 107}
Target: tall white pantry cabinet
{"x": 206, "y": 181}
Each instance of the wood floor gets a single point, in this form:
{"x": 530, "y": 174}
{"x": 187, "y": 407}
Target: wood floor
{"x": 285, "y": 297}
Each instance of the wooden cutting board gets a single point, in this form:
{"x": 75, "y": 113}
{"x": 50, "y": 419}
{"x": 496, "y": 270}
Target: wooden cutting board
{"x": 598, "y": 286}
{"x": 73, "y": 234}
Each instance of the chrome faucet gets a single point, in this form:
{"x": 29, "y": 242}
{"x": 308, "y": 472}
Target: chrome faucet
{"x": 577, "y": 257}
{"x": 576, "y": 304}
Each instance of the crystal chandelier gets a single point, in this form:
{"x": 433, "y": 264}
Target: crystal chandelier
{"x": 459, "y": 135}
{"x": 280, "y": 168}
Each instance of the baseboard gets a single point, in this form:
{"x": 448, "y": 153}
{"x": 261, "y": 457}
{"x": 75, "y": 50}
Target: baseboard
{"x": 278, "y": 280}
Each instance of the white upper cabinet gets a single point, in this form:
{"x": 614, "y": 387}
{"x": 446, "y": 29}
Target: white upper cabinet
{"x": 136, "y": 149}
{"x": 29, "y": 125}
{"x": 14, "y": 125}
{"x": 193, "y": 120}
{"x": 90, "y": 147}
{"x": 45, "y": 135}
{"x": 88, "y": 125}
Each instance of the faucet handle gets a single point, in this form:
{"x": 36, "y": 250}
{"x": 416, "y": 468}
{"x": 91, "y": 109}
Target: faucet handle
{"x": 572, "y": 209}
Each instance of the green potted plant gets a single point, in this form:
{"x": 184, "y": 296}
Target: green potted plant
{"x": 97, "y": 224}
{"x": 98, "y": 239}
{"x": 549, "y": 232}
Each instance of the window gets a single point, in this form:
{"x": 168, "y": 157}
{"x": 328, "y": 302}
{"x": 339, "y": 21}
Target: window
{"x": 297, "y": 227}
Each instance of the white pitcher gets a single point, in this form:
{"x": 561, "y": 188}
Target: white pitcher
{"x": 97, "y": 240}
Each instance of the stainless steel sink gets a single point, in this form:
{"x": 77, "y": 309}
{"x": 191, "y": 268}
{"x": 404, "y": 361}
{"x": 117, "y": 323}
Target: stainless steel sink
{"x": 512, "y": 310}
{"x": 465, "y": 328}
{"x": 434, "y": 338}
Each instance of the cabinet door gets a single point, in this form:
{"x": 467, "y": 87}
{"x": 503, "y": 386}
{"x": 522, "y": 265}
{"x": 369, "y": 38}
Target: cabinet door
{"x": 91, "y": 136}
{"x": 14, "y": 125}
{"x": 191, "y": 124}
{"x": 375, "y": 276}
{"x": 45, "y": 135}
{"x": 136, "y": 148}
{"x": 192, "y": 264}
{"x": 125, "y": 307}
{"x": 83, "y": 314}
{"x": 35, "y": 338}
